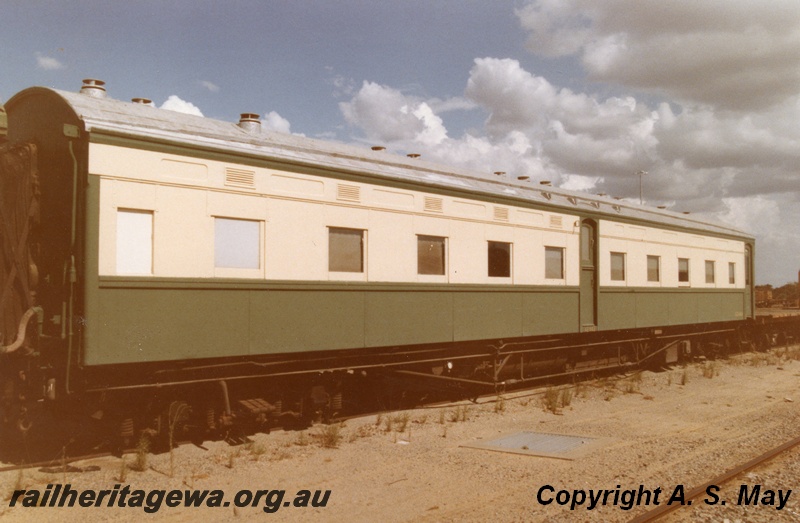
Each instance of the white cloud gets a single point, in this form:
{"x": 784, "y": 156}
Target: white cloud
{"x": 342, "y": 86}
{"x": 174, "y": 103}
{"x": 48, "y": 63}
{"x": 576, "y": 182}
{"x": 433, "y": 131}
{"x": 773, "y": 220}
{"x": 387, "y": 115}
{"x": 214, "y": 88}
{"x": 733, "y": 54}
{"x": 275, "y": 122}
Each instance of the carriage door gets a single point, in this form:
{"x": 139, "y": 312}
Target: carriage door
{"x": 588, "y": 285}
{"x": 748, "y": 281}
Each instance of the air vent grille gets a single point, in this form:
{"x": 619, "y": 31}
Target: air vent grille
{"x": 433, "y": 204}
{"x": 240, "y": 178}
{"x": 348, "y": 193}
{"x": 501, "y": 214}
{"x": 556, "y": 222}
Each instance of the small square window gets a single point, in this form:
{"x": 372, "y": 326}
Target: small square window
{"x": 237, "y": 243}
{"x": 345, "y": 250}
{"x": 653, "y": 268}
{"x": 554, "y": 263}
{"x": 431, "y": 255}
{"x": 617, "y": 266}
{"x": 709, "y": 271}
{"x": 499, "y": 259}
{"x": 683, "y": 270}
{"x": 731, "y": 273}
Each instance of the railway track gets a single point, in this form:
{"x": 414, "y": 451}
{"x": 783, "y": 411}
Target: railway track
{"x": 662, "y": 510}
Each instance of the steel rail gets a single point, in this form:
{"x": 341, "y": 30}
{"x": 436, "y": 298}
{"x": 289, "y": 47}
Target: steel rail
{"x": 661, "y": 510}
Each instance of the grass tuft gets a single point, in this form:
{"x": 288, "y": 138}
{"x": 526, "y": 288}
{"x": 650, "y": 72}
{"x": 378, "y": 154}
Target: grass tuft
{"x": 710, "y": 369}
{"x": 123, "y": 470}
{"x": 302, "y": 440}
{"x": 566, "y": 397}
{"x": 330, "y": 435}
{"x": 142, "y": 452}
{"x": 550, "y": 400}
{"x": 402, "y": 420}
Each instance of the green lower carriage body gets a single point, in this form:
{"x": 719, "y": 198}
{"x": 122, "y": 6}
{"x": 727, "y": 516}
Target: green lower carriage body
{"x": 137, "y": 321}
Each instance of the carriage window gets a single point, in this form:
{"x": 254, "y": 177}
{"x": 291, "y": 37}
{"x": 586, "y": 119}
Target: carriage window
{"x": 134, "y": 242}
{"x": 709, "y": 271}
{"x": 554, "y": 263}
{"x": 430, "y": 255}
{"x": 748, "y": 260}
{"x": 587, "y": 244}
{"x": 653, "y": 268}
{"x": 731, "y": 273}
{"x": 683, "y": 270}
{"x": 617, "y": 266}
{"x": 499, "y": 259}
{"x": 237, "y": 243}
{"x": 345, "y": 250}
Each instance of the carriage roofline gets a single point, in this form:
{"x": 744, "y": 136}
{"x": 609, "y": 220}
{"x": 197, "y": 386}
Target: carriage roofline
{"x": 106, "y": 116}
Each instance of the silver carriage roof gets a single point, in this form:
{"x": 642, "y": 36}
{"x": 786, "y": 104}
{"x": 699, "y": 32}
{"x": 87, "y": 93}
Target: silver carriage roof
{"x": 140, "y": 121}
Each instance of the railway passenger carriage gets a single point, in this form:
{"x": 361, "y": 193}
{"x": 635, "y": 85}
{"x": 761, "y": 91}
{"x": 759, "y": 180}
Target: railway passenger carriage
{"x": 165, "y": 250}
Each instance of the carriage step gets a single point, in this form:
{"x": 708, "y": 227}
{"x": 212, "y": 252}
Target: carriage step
{"x": 258, "y": 406}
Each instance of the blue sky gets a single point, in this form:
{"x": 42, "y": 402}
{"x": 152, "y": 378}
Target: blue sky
{"x": 261, "y": 56}
{"x": 705, "y": 97}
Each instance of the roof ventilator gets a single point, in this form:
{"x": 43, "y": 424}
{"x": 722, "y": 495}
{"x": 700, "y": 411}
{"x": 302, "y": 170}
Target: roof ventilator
{"x": 250, "y": 122}
{"x": 142, "y": 101}
{"x": 94, "y": 88}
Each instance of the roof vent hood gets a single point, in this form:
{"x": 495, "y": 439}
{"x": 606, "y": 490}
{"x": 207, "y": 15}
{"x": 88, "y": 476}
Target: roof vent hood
{"x": 250, "y": 122}
{"x": 142, "y": 101}
{"x": 94, "y": 88}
